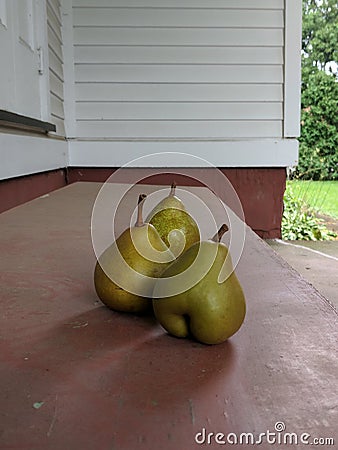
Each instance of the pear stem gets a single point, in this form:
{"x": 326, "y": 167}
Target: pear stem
{"x": 139, "y": 220}
{"x": 218, "y": 236}
{"x": 172, "y": 190}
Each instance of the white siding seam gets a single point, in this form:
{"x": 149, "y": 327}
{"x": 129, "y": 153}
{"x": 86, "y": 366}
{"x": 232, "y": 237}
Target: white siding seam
{"x": 56, "y": 74}
{"x": 57, "y": 56}
{"x": 51, "y": 28}
{"x": 56, "y": 17}
{"x": 51, "y": 5}
{"x": 55, "y": 94}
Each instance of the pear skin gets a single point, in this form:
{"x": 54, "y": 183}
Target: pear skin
{"x": 177, "y": 228}
{"x": 124, "y": 275}
{"x": 211, "y": 311}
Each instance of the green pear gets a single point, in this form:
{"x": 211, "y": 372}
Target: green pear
{"x": 126, "y": 272}
{"x": 174, "y": 224}
{"x": 200, "y": 295}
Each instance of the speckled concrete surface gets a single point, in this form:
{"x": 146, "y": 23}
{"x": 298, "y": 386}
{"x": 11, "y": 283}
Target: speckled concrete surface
{"x": 316, "y": 261}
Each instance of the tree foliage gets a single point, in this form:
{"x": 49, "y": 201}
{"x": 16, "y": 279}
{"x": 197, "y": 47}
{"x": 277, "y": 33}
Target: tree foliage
{"x": 320, "y": 35}
{"x": 318, "y": 157}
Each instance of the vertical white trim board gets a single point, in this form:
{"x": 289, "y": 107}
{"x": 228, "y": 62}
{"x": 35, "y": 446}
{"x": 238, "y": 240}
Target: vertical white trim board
{"x": 42, "y": 40}
{"x": 292, "y": 67}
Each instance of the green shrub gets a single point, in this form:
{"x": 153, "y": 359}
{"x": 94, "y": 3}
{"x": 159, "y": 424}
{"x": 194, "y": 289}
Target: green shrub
{"x": 318, "y": 155}
{"x": 299, "y": 222}
{"x": 318, "y": 151}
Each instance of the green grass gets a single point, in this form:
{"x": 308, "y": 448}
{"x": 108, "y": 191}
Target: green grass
{"x": 322, "y": 196}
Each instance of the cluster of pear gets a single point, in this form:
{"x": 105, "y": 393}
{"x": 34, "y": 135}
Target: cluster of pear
{"x": 161, "y": 264}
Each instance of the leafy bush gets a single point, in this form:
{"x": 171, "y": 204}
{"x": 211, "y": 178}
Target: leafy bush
{"x": 318, "y": 154}
{"x": 299, "y": 222}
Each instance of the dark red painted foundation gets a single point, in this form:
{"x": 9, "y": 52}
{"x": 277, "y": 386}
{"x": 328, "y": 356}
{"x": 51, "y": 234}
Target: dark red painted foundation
{"x": 19, "y": 190}
{"x": 260, "y": 190}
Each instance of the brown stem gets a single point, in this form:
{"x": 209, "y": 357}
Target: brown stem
{"x": 172, "y": 190}
{"x": 139, "y": 220}
{"x": 218, "y": 236}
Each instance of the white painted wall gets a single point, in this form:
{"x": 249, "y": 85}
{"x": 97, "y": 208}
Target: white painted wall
{"x": 22, "y": 154}
{"x": 31, "y": 84}
{"x": 207, "y": 78}
{"x": 235, "y": 153}
{"x": 217, "y": 79}
{"x": 187, "y": 69}
{"x": 22, "y": 89}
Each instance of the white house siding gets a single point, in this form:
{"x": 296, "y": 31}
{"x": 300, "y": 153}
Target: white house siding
{"x": 179, "y": 69}
{"x": 55, "y": 54}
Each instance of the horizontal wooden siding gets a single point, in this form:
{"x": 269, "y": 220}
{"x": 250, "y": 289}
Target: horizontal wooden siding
{"x": 155, "y": 69}
{"x": 55, "y": 54}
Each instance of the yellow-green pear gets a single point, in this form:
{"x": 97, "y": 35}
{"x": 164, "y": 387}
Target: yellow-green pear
{"x": 174, "y": 224}
{"x": 126, "y": 272}
{"x": 200, "y": 295}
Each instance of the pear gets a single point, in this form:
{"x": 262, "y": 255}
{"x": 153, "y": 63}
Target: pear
{"x": 125, "y": 273}
{"x": 200, "y": 295}
{"x": 174, "y": 224}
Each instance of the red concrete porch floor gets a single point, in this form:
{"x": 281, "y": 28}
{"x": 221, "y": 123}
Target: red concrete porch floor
{"x": 75, "y": 375}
